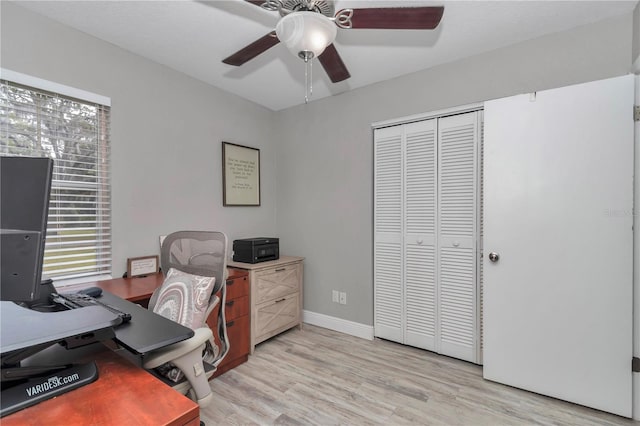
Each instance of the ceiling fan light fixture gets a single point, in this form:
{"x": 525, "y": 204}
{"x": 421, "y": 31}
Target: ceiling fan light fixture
{"x": 306, "y": 34}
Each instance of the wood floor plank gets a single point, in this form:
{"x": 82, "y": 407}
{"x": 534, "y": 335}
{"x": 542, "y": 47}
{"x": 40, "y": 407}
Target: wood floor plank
{"x": 316, "y": 376}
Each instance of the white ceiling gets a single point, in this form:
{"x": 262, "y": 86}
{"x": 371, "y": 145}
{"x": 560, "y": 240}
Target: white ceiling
{"x": 194, "y": 36}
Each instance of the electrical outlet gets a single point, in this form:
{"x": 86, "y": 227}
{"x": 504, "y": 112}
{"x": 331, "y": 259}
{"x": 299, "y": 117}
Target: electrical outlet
{"x": 343, "y": 298}
{"x": 335, "y": 296}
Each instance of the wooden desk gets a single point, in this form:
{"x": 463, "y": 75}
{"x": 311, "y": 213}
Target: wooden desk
{"x": 137, "y": 290}
{"x": 123, "y": 395}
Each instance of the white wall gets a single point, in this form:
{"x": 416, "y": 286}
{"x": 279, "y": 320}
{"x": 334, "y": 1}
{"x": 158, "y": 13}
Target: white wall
{"x": 324, "y": 175}
{"x": 166, "y": 133}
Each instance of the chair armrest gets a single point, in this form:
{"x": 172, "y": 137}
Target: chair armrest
{"x": 170, "y": 353}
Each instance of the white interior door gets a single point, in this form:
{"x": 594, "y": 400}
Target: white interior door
{"x": 420, "y": 234}
{"x": 388, "y": 263}
{"x": 457, "y": 153}
{"x": 558, "y": 171}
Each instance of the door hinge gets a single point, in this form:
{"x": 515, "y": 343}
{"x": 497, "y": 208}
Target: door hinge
{"x": 636, "y": 113}
{"x": 635, "y": 364}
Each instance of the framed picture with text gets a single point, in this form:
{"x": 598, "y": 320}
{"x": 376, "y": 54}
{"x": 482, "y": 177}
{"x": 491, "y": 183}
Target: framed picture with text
{"x": 240, "y": 175}
{"x": 142, "y": 266}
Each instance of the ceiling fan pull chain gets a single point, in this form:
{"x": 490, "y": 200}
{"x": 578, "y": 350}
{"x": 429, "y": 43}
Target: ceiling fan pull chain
{"x": 308, "y": 79}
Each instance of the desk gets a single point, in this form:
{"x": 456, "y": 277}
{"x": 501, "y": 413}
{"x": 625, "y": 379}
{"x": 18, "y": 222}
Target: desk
{"x": 123, "y": 395}
{"x": 136, "y": 290}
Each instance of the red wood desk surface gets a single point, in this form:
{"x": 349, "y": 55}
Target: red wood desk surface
{"x": 123, "y": 395}
{"x": 140, "y": 289}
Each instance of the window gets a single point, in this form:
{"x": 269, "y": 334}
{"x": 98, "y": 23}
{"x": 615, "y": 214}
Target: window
{"x": 75, "y": 134}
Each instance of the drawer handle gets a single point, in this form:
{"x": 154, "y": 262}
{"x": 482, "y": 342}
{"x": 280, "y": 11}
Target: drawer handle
{"x": 230, "y": 303}
{"x": 281, "y": 269}
{"x": 230, "y": 282}
{"x": 230, "y": 323}
{"x": 281, "y": 300}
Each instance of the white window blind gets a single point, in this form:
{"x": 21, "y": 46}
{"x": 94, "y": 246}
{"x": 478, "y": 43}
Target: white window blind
{"x": 75, "y": 134}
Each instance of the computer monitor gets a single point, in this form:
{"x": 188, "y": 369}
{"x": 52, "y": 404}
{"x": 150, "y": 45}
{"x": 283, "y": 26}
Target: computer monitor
{"x": 25, "y": 186}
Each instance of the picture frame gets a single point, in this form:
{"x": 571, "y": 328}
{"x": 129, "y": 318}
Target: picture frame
{"x": 240, "y": 175}
{"x": 142, "y": 266}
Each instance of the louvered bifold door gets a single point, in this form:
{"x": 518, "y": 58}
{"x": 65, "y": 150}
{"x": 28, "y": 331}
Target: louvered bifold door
{"x": 420, "y": 234}
{"x": 456, "y": 240}
{"x": 388, "y": 271}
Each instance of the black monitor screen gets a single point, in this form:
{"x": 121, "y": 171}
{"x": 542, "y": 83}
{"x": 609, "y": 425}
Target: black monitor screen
{"x": 25, "y": 185}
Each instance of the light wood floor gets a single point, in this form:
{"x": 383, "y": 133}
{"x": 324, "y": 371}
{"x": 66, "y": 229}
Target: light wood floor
{"x": 318, "y": 376}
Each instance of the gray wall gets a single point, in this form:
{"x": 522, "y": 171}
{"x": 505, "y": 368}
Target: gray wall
{"x": 166, "y": 133}
{"x": 636, "y": 36}
{"x": 635, "y": 48}
{"x": 325, "y": 171}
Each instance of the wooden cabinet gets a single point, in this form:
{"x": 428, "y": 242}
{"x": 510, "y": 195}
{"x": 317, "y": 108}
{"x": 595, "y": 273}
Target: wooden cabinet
{"x": 238, "y": 320}
{"x": 276, "y": 296}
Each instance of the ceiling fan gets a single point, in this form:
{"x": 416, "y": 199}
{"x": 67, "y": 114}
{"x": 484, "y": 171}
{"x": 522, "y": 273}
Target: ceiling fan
{"x": 308, "y": 29}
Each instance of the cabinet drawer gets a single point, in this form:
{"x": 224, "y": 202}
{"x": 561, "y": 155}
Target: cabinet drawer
{"x": 237, "y": 287}
{"x": 236, "y": 307}
{"x": 275, "y": 283}
{"x": 275, "y": 316}
{"x": 238, "y": 334}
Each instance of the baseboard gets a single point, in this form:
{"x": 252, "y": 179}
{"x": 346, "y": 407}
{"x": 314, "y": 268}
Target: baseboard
{"x": 338, "y": 324}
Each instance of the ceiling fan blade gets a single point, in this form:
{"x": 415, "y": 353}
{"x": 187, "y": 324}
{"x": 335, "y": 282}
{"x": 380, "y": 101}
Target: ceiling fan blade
{"x": 254, "y": 49}
{"x": 333, "y": 65}
{"x": 394, "y": 18}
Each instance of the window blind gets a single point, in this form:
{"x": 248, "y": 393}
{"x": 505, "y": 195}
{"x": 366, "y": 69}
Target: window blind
{"x": 75, "y": 134}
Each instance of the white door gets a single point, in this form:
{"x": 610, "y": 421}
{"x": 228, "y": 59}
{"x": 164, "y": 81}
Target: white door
{"x": 388, "y": 263}
{"x": 420, "y": 234}
{"x": 558, "y": 170}
{"x": 458, "y": 137}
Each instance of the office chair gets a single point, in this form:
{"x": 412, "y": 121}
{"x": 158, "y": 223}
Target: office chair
{"x": 190, "y": 300}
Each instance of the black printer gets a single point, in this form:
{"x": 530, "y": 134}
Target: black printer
{"x": 255, "y": 250}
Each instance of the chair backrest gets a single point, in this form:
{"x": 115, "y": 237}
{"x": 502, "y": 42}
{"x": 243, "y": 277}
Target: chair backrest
{"x": 201, "y": 253}
{"x": 196, "y": 252}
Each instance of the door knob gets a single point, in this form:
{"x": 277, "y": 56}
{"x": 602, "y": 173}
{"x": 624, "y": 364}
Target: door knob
{"x": 494, "y": 257}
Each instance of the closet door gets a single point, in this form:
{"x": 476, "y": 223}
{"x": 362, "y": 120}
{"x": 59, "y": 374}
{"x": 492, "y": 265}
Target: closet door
{"x": 388, "y": 269}
{"x": 420, "y": 234}
{"x": 458, "y": 140}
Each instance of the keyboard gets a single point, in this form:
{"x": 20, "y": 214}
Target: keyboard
{"x": 78, "y": 300}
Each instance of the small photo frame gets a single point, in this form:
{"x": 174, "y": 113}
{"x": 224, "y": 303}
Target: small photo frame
{"x": 142, "y": 266}
{"x": 240, "y": 175}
